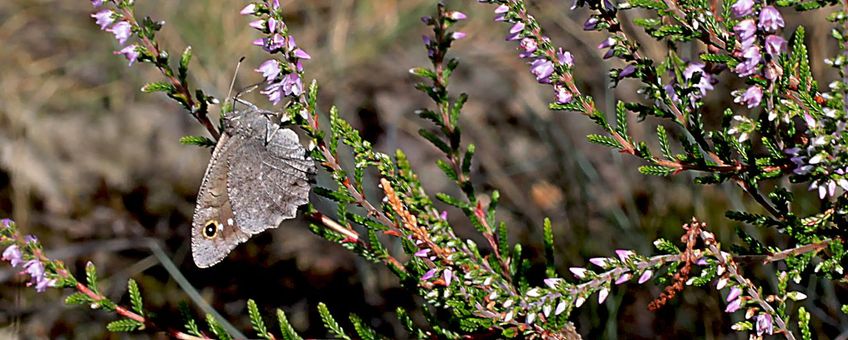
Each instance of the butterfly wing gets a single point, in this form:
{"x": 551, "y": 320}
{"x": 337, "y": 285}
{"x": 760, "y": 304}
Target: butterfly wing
{"x": 268, "y": 178}
{"x": 215, "y": 231}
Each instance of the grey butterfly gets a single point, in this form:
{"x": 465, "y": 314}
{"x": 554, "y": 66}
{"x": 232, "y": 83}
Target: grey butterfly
{"x": 257, "y": 177}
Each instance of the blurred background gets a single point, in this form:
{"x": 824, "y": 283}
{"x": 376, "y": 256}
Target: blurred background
{"x": 93, "y": 167}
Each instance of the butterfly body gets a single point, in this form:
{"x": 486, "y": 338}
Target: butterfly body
{"x": 257, "y": 177}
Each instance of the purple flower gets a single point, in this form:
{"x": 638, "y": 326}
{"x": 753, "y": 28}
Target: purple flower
{"x": 745, "y": 29}
{"x": 733, "y": 306}
{"x": 765, "y": 324}
{"x": 272, "y": 25}
{"x": 517, "y": 28}
{"x": 565, "y": 58}
{"x": 742, "y": 8}
{"x": 444, "y": 215}
{"x": 528, "y": 45}
{"x": 705, "y": 83}
{"x": 28, "y": 239}
{"x": 590, "y": 24}
{"x": 258, "y": 24}
{"x": 104, "y": 18}
{"x": 270, "y": 69}
{"x": 578, "y": 272}
{"x": 607, "y": 43}
{"x": 599, "y": 261}
{"x": 249, "y": 9}
{"x": 627, "y": 71}
{"x": 292, "y": 84}
{"x": 645, "y": 276}
{"x": 429, "y": 274}
{"x": 122, "y": 31}
{"x": 563, "y": 96}
{"x": 6, "y": 222}
{"x": 542, "y": 69}
{"x": 747, "y": 67}
{"x": 422, "y": 252}
{"x": 735, "y": 292}
{"x": 623, "y": 278}
{"x": 13, "y": 255}
{"x": 458, "y": 35}
{"x": 751, "y": 97}
{"x": 96, "y": 3}
{"x": 34, "y": 268}
{"x": 623, "y": 254}
{"x": 775, "y": 45}
{"x": 552, "y": 283}
{"x": 456, "y": 15}
{"x": 130, "y": 52}
{"x": 274, "y": 92}
{"x": 301, "y": 54}
{"x": 448, "y": 274}
{"x": 41, "y": 285}
{"x": 770, "y": 19}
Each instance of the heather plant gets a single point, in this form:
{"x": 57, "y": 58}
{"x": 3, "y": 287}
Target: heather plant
{"x": 780, "y": 130}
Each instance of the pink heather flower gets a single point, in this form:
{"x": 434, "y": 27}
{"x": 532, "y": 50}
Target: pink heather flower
{"x": 770, "y": 19}
{"x": 41, "y": 285}
{"x": 565, "y": 58}
{"x": 456, "y": 15}
{"x": 292, "y": 84}
{"x": 578, "y": 272}
{"x": 552, "y": 283}
{"x": 518, "y": 27}
{"x": 258, "y": 24}
{"x": 272, "y": 25}
{"x": 275, "y": 42}
{"x": 104, "y": 18}
{"x": 645, "y": 276}
{"x": 6, "y": 222}
{"x": 28, "y": 239}
{"x": 742, "y": 8}
{"x": 275, "y": 4}
{"x": 602, "y": 294}
{"x": 444, "y": 215}
{"x": 301, "y": 54}
{"x": 122, "y": 31}
{"x": 542, "y": 69}
{"x": 448, "y": 274}
{"x": 599, "y": 261}
{"x": 458, "y": 35}
{"x": 130, "y": 52}
{"x": 748, "y": 67}
{"x": 249, "y": 9}
{"x": 429, "y": 274}
{"x": 751, "y": 97}
{"x": 623, "y": 278}
{"x": 623, "y": 254}
{"x": 270, "y": 69}
{"x": 765, "y": 324}
{"x": 745, "y": 29}
{"x": 96, "y": 3}
{"x": 422, "y": 252}
{"x": 528, "y": 45}
{"x": 563, "y": 96}
{"x": 775, "y": 45}
{"x": 13, "y": 255}
{"x": 705, "y": 83}
{"x": 735, "y": 292}
{"x": 274, "y": 93}
{"x": 34, "y": 268}
{"x": 733, "y": 306}
{"x": 501, "y": 9}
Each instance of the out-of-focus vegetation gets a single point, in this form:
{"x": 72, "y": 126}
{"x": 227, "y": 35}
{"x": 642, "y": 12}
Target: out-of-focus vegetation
{"x": 92, "y": 165}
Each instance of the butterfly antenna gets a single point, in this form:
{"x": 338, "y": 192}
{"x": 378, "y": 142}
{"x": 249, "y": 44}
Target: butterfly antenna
{"x": 233, "y": 82}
